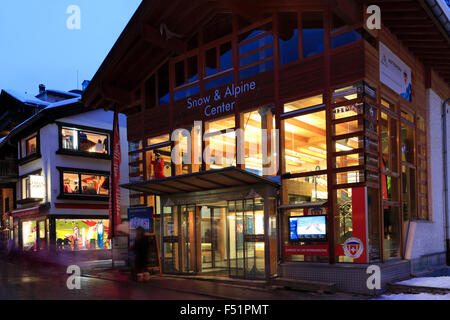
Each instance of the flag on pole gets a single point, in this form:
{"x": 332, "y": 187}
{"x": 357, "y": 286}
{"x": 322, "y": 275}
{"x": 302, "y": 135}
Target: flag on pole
{"x": 115, "y": 214}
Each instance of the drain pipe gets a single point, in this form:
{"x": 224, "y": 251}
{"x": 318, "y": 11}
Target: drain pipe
{"x": 444, "y": 155}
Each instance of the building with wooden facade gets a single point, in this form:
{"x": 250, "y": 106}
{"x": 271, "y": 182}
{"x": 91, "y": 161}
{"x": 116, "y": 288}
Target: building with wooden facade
{"x": 286, "y": 138}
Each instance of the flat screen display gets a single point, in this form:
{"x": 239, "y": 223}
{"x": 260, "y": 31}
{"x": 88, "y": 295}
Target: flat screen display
{"x": 308, "y": 228}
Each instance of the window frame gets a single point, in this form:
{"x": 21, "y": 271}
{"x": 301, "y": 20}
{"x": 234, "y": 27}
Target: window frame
{"x": 24, "y": 200}
{"x": 79, "y": 128}
{"x": 79, "y": 195}
{"x": 32, "y": 156}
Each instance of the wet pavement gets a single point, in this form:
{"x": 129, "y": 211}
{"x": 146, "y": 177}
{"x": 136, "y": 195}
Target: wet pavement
{"x": 19, "y": 281}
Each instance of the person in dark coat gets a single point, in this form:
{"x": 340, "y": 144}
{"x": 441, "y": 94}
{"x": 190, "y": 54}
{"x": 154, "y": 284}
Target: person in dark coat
{"x": 140, "y": 250}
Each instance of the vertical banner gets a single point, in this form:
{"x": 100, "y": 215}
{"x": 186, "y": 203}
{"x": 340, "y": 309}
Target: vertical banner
{"x": 115, "y": 214}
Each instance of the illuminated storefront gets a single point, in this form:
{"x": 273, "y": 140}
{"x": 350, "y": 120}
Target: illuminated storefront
{"x": 301, "y": 102}
{"x": 82, "y": 234}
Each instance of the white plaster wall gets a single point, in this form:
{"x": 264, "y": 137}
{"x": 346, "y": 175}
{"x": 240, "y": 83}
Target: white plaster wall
{"x": 429, "y": 236}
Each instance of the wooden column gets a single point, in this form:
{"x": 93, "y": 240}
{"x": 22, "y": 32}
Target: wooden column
{"x": 330, "y": 144}
{"x": 269, "y": 167}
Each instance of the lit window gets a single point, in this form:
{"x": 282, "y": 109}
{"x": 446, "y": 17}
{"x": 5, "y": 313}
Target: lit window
{"x": 29, "y": 146}
{"x": 220, "y": 143}
{"x": 76, "y": 183}
{"x": 305, "y": 143}
{"x": 94, "y": 184}
{"x": 85, "y": 141}
{"x": 304, "y": 103}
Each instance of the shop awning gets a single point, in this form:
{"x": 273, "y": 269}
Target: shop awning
{"x": 36, "y": 210}
{"x": 199, "y": 181}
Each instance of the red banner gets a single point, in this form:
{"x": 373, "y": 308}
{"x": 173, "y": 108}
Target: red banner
{"x": 115, "y": 214}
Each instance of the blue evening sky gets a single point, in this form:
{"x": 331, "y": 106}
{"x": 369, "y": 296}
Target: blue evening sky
{"x": 37, "y": 47}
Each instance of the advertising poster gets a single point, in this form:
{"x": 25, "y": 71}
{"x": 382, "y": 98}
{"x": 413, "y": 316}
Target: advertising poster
{"x": 395, "y": 73}
{"x": 140, "y": 217}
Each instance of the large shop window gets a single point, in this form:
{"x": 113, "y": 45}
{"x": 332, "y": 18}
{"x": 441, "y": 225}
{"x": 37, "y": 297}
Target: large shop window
{"x": 186, "y": 76}
{"x": 256, "y": 51}
{"x": 82, "y": 234}
{"x": 187, "y": 152}
{"x": 158, "y": 157}
{"x": 220, "y": 143}
{"x": 288, "y": 37}
{"x": 303, "y": 103}
{"x": 305, "y": 143}
{"x": 76, "y": 139}
{"x": 163, "y": 85}
{"x": 260, "y": 140}
{"x": 84, "y": 183}
{"x": 409, "y": 181}
{"x": 29, "y": 235}
{"x": 312, "y": 32}
{"x": 29, "y": 146}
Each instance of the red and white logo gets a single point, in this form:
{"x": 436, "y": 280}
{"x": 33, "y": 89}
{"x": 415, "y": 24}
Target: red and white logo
{"x": 353, "y": 247}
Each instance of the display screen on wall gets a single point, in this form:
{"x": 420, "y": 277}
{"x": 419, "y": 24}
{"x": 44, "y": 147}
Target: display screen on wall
{"x": 82, "y": 234}
{"x": 304, "y": 228}
{"x": 395, "y": 73}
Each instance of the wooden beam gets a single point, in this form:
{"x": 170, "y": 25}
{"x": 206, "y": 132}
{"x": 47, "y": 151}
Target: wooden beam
{"x": 120, "y": 95}
{"x": 417, "y": 15}
{"x": 406, "y": 30}
{"x": 152, "y": 35}
{"x": 349, "y": 11}
{"x": 431, "y": 37}
{"x": 424, "y": 44}
{"x": 242, "y": 8}
{"x": 397, "y": 7}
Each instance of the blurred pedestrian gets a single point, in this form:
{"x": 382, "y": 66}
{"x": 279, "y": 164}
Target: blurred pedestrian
{"x": 140, "y": 250}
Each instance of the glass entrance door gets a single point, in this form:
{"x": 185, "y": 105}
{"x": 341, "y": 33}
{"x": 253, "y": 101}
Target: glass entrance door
{"x": 224, "y": 238}
{"x": 246, "y": 234}
{"x": 188, "y": 239}
{"x": 214, "y": 238}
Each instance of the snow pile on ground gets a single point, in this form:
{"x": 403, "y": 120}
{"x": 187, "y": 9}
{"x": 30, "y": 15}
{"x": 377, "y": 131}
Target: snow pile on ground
{"x": 419, "y": 296}
{"x": 434, "y": 282}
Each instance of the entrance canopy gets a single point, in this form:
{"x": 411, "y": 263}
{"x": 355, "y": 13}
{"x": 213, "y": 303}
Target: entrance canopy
{"x": 199, "y": 181}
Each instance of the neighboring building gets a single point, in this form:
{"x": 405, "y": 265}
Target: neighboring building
{"x": 64, "y": 162}
{"x": 15, "y": 108}
{"x": 357, "y": 177}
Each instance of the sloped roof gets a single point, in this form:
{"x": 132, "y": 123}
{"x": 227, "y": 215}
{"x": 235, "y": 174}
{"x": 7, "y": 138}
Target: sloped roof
{"x": 51, "y": 112}
{"x": 25, "y": 98}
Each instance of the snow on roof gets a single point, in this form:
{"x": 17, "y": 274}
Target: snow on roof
{"x": 67, "y": 93}
{"x": 48, "y": 107}
{"x": 63, "y": 102}
{"x": 26, "y": 98}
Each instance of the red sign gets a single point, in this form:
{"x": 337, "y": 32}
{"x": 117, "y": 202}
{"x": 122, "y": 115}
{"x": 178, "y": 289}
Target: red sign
{"x": 115, "y": 213}
{"x": 355, "y": 247}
